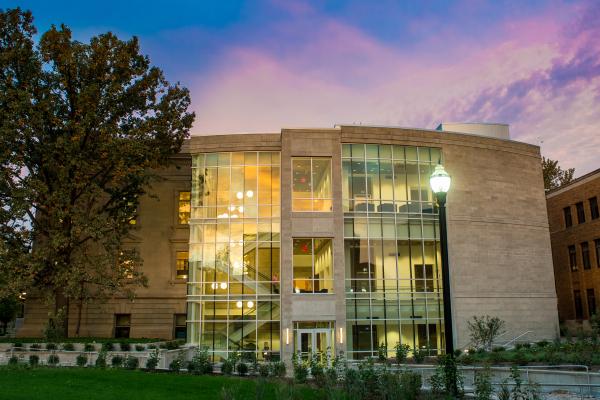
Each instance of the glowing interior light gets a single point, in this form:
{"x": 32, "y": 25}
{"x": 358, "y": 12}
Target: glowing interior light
{"x": 223, "y": 285}
{"x": 250, "y": 193}
{"x": 239, "y": 304}
{"x": 232, "y": 208}
{"x": 287, "y": 335}
{"x": 213, "y": 286}
{"x": 297, "y": 290}
{"x": 239, "y": 195}
{"x": 234, "y": 216}
{"x": 241, "y": 209}
{"x": 250, "y": 304}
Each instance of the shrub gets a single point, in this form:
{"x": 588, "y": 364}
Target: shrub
{"x": 317, "y": 370}
{"x": 89, "y": 347}
{"x": 484, "y": 330}
{"x": 200, "y": 363}
{"x": 53, "y": 360}
{"x": 51, "y": 346}
{"x": 151, "y": 347}
{"x": 140, "y": 347}
{"x": 300, "y": 369}
{"x": 131, "y": 362}
{"x": 498, "y": 349}
{"x": 447, "y": 377}
{"x": 81, "y": 360}
{"x": 227, "y": 367}
{"x": 108, "y": 346}
{"x": 382, "y": 353}
{"x": 277, "y": 369}
{"x": 101, "y": 360}
{"x": 35, "y": 347}
{"x": 411, "y": 383}
{"x": 18, "y": 346}
{"x": 171, "y": 345}
{"x": 68, "y": 347}
{"x": 419, "y": 355}
{"x": 34, "y": 360}
{"x": 542, "y": 343}
{"x": 125, "y": 346}
{"x": 483, "y": 384}
{"x": 242, "y": 368}
{"x": 401, "y": 352}
{"x": 177, "y": 363}
{"x": 14, "y": 360}
{"x": 263, "y": 370}
{"x": 153, "y": 359}
{"x": 116, "y": 361}
{"x": 353, "y": 387}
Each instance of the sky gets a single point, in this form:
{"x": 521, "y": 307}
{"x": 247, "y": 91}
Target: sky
{"x": 258, "y": 66}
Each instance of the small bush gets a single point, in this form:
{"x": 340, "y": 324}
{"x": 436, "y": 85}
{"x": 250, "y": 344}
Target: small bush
{"x": 242, "y": 368}
{"x": 89, "y": 347}
{"x": 108, "y": 346}
{"x": 263, "y": 370}
{"x": 68, "y": 347}
{"x": 53, "y": 360}
{"x": 140, "y": 347}
{"x": 277, "y": 369}
{"x": 200, "y": 363}
{"x": 152, "y": 361}
{"x": 51, "y": 346}
{"x": 151, "y": 347}
{"x": 401, "y": 353}
{"x": 498, "y": 349}
{"x": 34, "y": 360}
{"x": 101, "y": 360}
{"x": 125, "y": 346}
{"x": 35, "y": 347}
{"x": 542, "y": 343}
{"x": 411, "y": 383}
{"x": 483, "y": 384}
{"x": 132, "y": 362}
{"x": 14, "y": 360}
{"x": 18, "y": 346}
{"x": 116, "y": 361}
{"x": 81, "y": 360}
{"x": 300, "y": 369}
{"x": 419, "y": 355}
{"x": 227, "y": 367}
{"x": 177, "y": 363}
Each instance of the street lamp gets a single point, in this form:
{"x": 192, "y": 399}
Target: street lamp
{"x": 440, "y": 184}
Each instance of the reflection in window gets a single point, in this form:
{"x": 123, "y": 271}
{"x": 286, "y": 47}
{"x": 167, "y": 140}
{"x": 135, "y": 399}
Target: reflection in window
{"x": 313, "y": 265}
{"x": 182, "y": 265}
{"x": 184, "y": 208}
{"x": 311, "y": 184}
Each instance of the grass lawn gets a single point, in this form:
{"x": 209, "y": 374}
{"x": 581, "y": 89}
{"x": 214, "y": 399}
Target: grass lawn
{"x": 97, "y": 384}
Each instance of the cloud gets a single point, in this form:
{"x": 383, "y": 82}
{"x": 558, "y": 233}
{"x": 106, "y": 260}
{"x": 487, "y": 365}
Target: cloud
{"x": 539, "y": 73}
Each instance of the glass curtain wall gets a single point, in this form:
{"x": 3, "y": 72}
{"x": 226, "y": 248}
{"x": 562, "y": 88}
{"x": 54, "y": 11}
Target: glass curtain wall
{"x": 234, "y": 270}
{"x": 391, "y": 245}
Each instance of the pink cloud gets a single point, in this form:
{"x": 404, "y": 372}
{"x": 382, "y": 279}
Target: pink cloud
{"x": 539, "y": 74}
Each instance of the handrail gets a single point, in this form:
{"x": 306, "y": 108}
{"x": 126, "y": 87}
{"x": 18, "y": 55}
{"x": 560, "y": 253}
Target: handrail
{"x": 517, "y": 337}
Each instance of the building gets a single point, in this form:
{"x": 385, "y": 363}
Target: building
{"x": 575, "y": 234}
{"x": 328, "y": 238}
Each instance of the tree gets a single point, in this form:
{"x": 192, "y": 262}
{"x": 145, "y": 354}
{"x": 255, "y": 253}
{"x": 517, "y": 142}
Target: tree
{"x": 9, "y": 306}
{"x": 554, "y": 175}
{"x": 484, "y": 330}
{"x": 83, "y": 129}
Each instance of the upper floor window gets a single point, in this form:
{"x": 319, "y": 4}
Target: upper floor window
{"x": 597, "y": 246}
{"x": 580, "y": 213}
{"x": 184, "y": 208}
{"x": 573, "y": 258}
{"x": 594, "y": 207}
{"x": 568, "y": 217}
{"x": 182, "y": 265}
{"x": 585, "y": 255}
{"x": 313, "y": 265}
{"x": 311, "y": 184}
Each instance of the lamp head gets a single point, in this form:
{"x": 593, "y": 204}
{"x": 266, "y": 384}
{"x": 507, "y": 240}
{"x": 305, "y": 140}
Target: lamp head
{"x": 440, "y": 180}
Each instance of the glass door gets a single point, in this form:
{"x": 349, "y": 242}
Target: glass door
{"x": 313, "y": 340}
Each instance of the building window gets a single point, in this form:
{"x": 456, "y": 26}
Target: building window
{"x": 180, "y": 330}
{"x": 311, "y": 184}
{"x": 597, "y": 246}
{"x": 578, "y": 304}
{"x": 594, "y": 207}
{"x": 573, "y": 258}
{"x": 568, "y": 217}
{"x": 585, "y": 255}
{"x": 591, "y": 302}
{"x": 122, "y": 325}
{"x": 580, "y": 213}
{"x": 313, "y": 265}
{"x": 182, "y": 265}
{"x": 184, "y": 208}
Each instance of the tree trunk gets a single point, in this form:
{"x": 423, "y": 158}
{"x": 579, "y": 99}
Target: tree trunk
{"x": 61, "y": 302}
{"x": 79, "y": 308}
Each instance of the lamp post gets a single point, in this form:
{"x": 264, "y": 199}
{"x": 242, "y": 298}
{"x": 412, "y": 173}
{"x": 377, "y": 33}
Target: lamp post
{"x": 440, "y": 184}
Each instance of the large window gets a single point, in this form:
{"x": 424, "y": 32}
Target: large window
{"x": 179, "y": 328}
{"x": 591, "y": 302}
{"x": 313, "y": 265}
{"x": 594, "y": 207}
{"x": 597, "y": 246}
{"x": 568, "y": 217}
{"x": 392, "y": 251}
{"x": 311, "y": 184}
{"x": 182, "y": 265}
{"x": 585, "y": 255}
{"x": 122, "y": 325}
{"x": 572, "y": 257}
{"x": 184, "y": 208}
{"x": 580, "y": 213}
{"x": 234, "y": 271}
{"x": 578, "y": 304}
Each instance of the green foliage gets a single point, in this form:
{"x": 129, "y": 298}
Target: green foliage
{"x": 402, "y": 351}
{"x": 382, "y": 353}
{"x": 124, "y": 346}
{"x": 228, "y": 366}
{"x": 153, "y": 359}
{"x": 51, "y": 346}
{"x": 89, "y": 123}
{"x": 200, "y": 363}
{"x": 68, "y": 347}
{"x": 81, "y": 360}
{"x": 483, "y": 384}
{"x": 108, "y": 346}
{"x": 101, "y": 359}
{"x": 484, "y": 330}
{"x": 171, "y": 345}
{"x": 53, "y": 360}
{"x": 55, "y": 330}
{"x": 504, "y": 392}
{"x": 177, "y": 363}
{"x": 447, "y": 377}
{"x": 9, "y": 306}
{"x": 18, "y": 346}
{"x": 140, "y": 347}
{"x": 300, "y": 368}
{"x": 13, "y": 360}
{"x": 34, "y": 360}
{"x": 411, "y": 383}
{"x": 263, "y": 370}
{"x": 116, "y": 361}
{"x": 89, "y": 347}
{"x": 277, "y": 369}
{"x": 35, "y": 347}
{"x": 131, "y": 362}
{"x": 420, "y": 354}
{"x": 242, "y": 368}
{"x": 554, "y": 175}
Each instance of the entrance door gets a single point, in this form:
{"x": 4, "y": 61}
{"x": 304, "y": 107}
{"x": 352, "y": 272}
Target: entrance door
{"x": 310, "y": 341}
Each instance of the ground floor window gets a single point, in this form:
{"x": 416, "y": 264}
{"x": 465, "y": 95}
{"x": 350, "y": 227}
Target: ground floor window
{"x": 578, "y": 304}
{"x": 122, "y": 325}
{"x": 591, "y": 300}
{"x": 180, "y": 326}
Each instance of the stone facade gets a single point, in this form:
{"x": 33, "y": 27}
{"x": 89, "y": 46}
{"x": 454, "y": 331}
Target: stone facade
{"x": 499, "y": 245}
{"x": 577, "y": 278}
